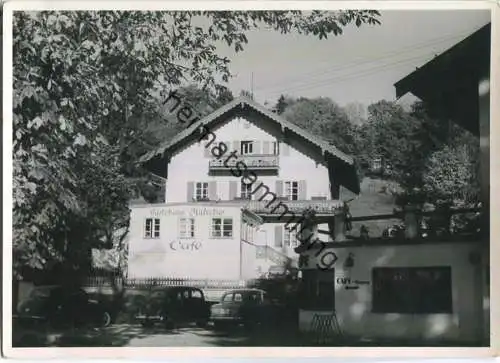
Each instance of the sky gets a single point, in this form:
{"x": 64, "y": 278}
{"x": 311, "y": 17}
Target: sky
{"x": 361, "y": 65}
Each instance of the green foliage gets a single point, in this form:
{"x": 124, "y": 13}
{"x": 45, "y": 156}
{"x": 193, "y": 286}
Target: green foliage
{"x": 282, "y": 104}
{"x": 83, "y": 83}
{"x": 432, "y": 160}
{"x": 451, "y": 175}
{"x": 324, "y": 118}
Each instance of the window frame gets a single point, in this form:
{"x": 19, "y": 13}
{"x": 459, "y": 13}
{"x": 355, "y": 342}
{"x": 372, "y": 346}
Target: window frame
{"x": 288, "y": 188}
{"x": 413, "y": 296}
{"x": 290, "y": 238}
{"x": 155, "y": 228}
{"x": 276, "y": 148}
{"x": 203, "y": 187}
{"x": 247, "y": 188}
{"x": 222, "y": 229}
{"x": 187, "y": 230}
{"x": 246, "y": 147}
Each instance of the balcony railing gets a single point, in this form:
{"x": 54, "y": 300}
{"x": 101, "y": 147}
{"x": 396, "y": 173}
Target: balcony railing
{"x": 296, "y": 206}
{"x": 253, "y": 162}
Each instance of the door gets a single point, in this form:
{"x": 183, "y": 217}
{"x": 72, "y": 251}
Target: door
{"x": 197, "y": 305}
{"x": 185, "y": 311}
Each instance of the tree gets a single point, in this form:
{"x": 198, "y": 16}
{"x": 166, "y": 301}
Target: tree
{"x": 82, "y": 91}
{"x": 282, "y": 103}
{"x": 323, "y": 118}
{"x": 452, "y": 175}
{"x": 356, "y": 113}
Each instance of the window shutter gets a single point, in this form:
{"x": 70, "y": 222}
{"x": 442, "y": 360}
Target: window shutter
{"x": 279, "y": 188}
{"x": 236, "y": 146}
{"x": 233, "y": 186}
{"x": 284, "y": 149}
{"x": 302, "y": 190}
{"x": 265, "y": 148}
{"x": 278, "y": 236}
{"x": 190, "y": 191}
{"x": 212, "y": 190}
{"x": 256, "y": 147}
{"x": 207, "y": 151}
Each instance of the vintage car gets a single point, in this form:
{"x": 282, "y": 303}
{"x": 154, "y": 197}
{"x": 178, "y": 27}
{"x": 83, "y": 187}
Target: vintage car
{"x": 172, "y": 306}
{"x": 248, "y": 307}
{"x": 59, "y": 306}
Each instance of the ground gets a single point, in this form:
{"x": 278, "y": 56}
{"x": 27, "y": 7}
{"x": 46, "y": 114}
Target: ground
{"x": 121, "y": 335}
{"x": 130, "y": 335}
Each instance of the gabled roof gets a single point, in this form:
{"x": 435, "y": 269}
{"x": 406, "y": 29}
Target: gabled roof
{"x": 335, "y": 158}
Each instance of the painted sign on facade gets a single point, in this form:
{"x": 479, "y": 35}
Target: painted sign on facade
{"x": 188, "y": 245}
{"x": 192, "y": 212}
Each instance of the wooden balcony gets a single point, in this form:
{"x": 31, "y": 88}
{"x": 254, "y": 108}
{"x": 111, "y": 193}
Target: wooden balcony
{"x": 253, "y": 162}
{"x": 321, "y": 207}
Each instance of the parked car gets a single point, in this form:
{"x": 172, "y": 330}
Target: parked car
{"x": 281, "y": 272}
{"x": 250, "y": 307}
{"x": 59, "y": 306}
{"x": 172, "y": 306}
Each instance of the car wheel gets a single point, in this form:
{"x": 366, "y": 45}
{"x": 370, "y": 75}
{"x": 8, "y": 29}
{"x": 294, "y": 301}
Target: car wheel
{"x": 201, "y": 323}
{"x": 105, "y": 319}
{"x": 219, "y": 325}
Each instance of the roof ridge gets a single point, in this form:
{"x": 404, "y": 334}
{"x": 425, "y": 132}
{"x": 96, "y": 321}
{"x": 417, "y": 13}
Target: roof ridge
{"x": 324, "y": 144}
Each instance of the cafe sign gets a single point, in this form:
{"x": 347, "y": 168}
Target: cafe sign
{"x": 187, "y": 245}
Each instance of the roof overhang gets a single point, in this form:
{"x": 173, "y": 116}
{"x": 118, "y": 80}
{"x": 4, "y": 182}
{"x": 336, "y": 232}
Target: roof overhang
{"x": 449, "y": 83}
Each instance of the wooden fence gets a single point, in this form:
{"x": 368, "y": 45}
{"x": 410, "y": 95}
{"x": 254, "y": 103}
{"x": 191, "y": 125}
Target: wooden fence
{"x": 120, "y": 283}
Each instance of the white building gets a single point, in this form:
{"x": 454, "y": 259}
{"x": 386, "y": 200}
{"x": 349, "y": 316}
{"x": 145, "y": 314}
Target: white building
{"x": 269, "y": 172}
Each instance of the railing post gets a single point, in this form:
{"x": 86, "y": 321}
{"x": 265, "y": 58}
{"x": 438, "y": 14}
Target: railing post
{"x": 339, "y": 229}
{"x": 411, "y": 221}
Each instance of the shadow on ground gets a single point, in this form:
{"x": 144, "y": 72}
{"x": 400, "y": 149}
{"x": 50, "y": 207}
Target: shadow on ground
{"x": 135, "y": 335}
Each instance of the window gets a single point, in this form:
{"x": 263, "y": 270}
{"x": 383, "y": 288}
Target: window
{"x": 221, "y": 228}
{"x": 228, "y": 297}
{"x": 238, "y": 297}
{"x": 246, "y": 147}
{"x": 152, "y": 228}
{"x": 412, "y": 290}
{"x": 196, "y": 294}
{"x": 247, "y": 232}
{"x": 186, "y": 228}
{"x": 292, "y": 190}
{"x": 246, "y": 191}
{"x": 201, "y": 191}
{"x": 276, "y": 148}
{"x": 317, "y": 290}
{"x": 290, "y": 238}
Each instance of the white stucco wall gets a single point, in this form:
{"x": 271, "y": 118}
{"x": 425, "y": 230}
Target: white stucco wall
{"x": 191, "y": 165}
{"x": 164, "y": 257}
{"x": 354, "y": 306}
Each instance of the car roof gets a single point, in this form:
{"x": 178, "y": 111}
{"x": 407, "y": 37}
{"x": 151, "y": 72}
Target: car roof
{"x": 245, "y": 290}
{"x": 172, "y": 288}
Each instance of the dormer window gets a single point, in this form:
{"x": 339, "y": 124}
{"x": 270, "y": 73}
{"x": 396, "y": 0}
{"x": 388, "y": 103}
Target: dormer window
{"x": 246, "y": 147}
